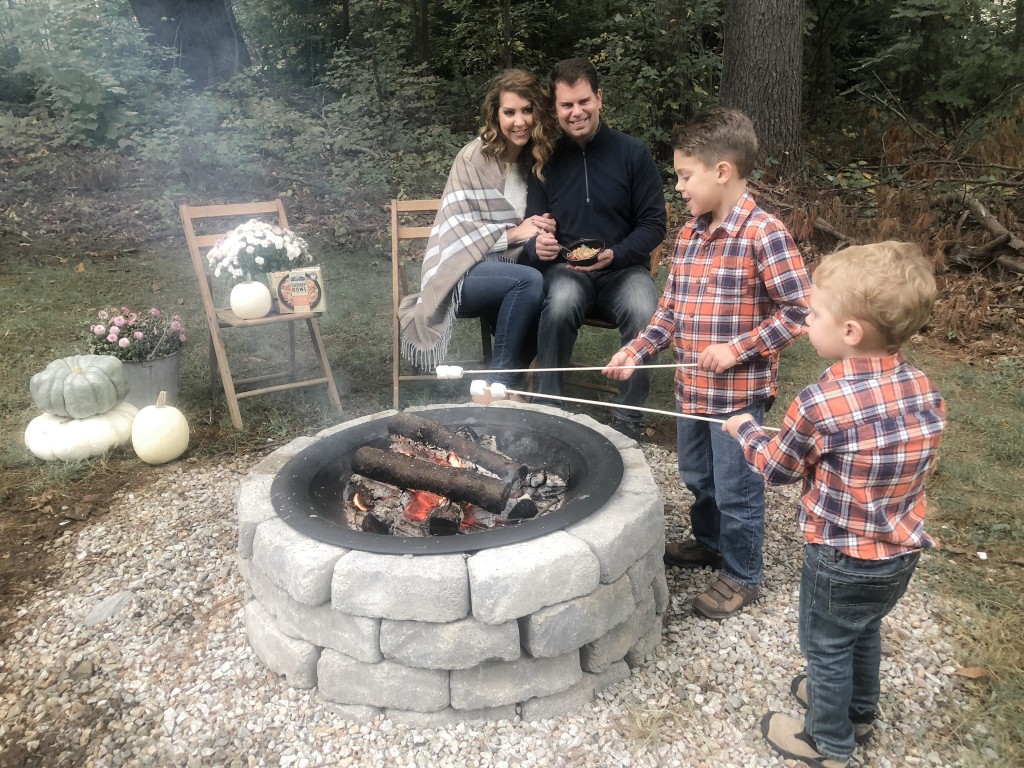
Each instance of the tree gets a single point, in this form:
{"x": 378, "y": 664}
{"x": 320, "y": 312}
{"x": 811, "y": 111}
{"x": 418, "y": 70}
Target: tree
{"x": 762, "y": 62}
{"x": 203, "y": 32}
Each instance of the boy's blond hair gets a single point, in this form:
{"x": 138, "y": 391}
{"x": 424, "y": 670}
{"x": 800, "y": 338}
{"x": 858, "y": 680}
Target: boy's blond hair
{"x": 889, "y": 285}
{"x": 719, "y": 134}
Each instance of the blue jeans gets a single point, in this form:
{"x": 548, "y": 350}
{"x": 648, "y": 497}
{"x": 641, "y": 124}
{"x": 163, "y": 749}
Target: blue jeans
{"x": 727, "y": 515}
{"x": 626, "y": 298}
{"x": 509, "y": 297}
{"x": 842, "y": 602}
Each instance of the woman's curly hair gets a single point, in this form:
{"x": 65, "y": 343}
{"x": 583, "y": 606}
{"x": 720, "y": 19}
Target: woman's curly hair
{"x": 542, "y": 138}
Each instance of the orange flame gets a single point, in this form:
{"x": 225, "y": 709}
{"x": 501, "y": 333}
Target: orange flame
{"x": 421, "y": 504}
{"x": 454, "y": 460}
{"x": 360, "y": 504}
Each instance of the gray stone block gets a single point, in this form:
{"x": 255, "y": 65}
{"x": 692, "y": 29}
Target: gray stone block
{"x": 644, "y": 647}
{"x": 456, "y": 645}
{"x": 252, "y": 506}
{"x": 629, "y": 526}
{"x": 301, "y": 566}
{"x": 288, "y": 656}
{"x": 558, "y": 567}
{"x": 567, "y": 626}
{"x": 496, "y": 683}
{"x": 406, "y": 588}
{"x": 559, "y": 704}
{"x": 614, "y": 675}
{"x": 355, "y": 636}
{"x": 448, "y": 717}
{"x": 353, "y": 713}
{"x": 662, "y": 597}
{"x": 641, "y": 573}
{"x": 613, "y": 646}
{"x": 385, "y": 684}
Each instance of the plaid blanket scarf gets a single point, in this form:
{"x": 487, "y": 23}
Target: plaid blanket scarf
{"x": 473, "y": 216}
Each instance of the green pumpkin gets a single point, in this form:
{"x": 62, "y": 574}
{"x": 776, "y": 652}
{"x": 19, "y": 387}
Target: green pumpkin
{"x": 79, "y": 386}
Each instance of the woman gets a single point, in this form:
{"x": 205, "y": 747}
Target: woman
{"x": 469, "y": 267}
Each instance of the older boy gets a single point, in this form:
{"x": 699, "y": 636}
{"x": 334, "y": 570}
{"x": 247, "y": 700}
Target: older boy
{"x": 735, "y": 296}
{"x": 862, "y": 441}
{"x": 599, "y": 183}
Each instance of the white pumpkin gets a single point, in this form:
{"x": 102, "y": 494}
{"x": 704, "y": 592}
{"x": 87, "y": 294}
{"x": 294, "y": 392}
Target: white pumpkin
{"x": 250, "y": 300}
{"x": 160, "y": 432}
{"x": 57, "y": 437}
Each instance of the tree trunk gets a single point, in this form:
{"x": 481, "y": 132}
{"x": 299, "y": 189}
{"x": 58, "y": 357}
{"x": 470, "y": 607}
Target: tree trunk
{"x": 203, "y": 32}
{"x": 762, "y": 63}
{"x": 424, "y": 30}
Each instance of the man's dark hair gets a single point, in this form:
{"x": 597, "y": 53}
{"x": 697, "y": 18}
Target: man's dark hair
{"x": 571, "y": 71}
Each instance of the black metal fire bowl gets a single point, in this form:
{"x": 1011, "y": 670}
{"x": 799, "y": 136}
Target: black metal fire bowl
{"x": 308, "y": 491}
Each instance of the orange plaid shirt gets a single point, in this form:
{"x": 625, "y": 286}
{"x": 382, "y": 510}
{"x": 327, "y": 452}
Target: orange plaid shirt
{"x": 745, "y": 285}
{"x": 862, "y": 439}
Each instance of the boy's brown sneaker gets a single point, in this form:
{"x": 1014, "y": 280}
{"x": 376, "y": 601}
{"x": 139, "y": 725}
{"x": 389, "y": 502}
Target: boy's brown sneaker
{"x": 691, "y": 554}
{"x": 786, "y": 735}
{"x": 862, "y": 732}
{"x": 723, "y": 598}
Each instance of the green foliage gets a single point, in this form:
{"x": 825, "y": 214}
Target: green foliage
{"x": 658, "y": 65}
{"x": 940, "y": 62}
{"x": 90, "y": 66}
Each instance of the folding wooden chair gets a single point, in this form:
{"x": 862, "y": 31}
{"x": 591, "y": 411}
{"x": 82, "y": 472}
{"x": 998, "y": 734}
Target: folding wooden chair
{"x": 198, "y": 221}
{"x": 595, "y": 322}
{"x": 411, "y": 220}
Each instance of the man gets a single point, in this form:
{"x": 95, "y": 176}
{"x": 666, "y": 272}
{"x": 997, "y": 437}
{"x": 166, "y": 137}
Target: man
{"x": 600, "y": 184}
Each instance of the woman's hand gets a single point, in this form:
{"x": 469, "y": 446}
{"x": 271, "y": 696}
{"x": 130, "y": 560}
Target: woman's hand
{"x": 532, "y": 226}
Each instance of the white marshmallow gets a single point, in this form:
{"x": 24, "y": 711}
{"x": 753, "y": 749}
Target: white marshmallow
{"x": 478, "y": 388}
{"x": 449, "y": 372}
{"x": 499, "y": 391}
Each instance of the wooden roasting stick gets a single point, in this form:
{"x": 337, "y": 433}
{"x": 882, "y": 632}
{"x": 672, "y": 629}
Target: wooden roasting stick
{"x": 426, "y": 431}
{"x": 479, "y": 387}
{"x": 456, "y": 484}
{"x": 457, "y": 372}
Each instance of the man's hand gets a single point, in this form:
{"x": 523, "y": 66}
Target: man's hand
{"x": 604, "y": 259}
{"x": 547, "y": 246}
{"x": 732, "y": 424}
{"x": 716, "y": 358}
{"x": 618, "y": 359}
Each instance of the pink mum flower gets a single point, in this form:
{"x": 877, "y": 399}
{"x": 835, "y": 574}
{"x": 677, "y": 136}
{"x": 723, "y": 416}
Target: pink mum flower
{"x": 112, "y": 338}
{"x": 123, "y": 342}
{"x": 154, "y": 312}
{"x": 99, "y": 330}
{"x": 138, "y": 335}
{"x": 118, "y": 321}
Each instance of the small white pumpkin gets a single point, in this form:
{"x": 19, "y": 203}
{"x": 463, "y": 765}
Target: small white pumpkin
{"x": 160, "y": 432}
{"x": 57, "y": 437}
{"x": 250, "y": 300}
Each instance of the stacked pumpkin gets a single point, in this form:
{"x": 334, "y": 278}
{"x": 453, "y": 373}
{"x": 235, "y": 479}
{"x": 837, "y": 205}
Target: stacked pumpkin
{"x": 85, "y": 414}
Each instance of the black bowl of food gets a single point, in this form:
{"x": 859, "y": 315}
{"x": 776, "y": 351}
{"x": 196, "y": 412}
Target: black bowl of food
{"x": 582, "y": 252}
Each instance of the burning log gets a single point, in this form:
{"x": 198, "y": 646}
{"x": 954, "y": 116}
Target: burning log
{"x": 457, "y": 484}
{"x": 426, "y": 431}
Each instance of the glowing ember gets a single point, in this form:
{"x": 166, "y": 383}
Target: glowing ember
{"x": 454, "y": 460}
{"x": 421, "y": 503}
{"x": 360, "y": 504}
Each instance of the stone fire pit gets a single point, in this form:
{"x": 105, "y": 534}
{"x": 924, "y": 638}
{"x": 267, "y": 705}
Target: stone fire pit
{"x": 533, "y": 628}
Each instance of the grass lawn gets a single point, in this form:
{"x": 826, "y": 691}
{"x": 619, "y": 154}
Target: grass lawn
{"x": 52, "y": 296}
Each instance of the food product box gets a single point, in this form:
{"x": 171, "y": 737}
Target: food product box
{"x": 298, "y": 290}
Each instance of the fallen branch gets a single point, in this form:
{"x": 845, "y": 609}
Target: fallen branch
{"x": 995, "y": 227}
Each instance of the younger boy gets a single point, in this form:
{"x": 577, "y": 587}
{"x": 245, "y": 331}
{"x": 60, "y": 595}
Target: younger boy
{"x": 736, "y": 295}
{"x": 862, "y": 440}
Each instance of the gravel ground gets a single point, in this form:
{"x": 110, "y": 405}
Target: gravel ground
{"x": 135, "y": 654}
